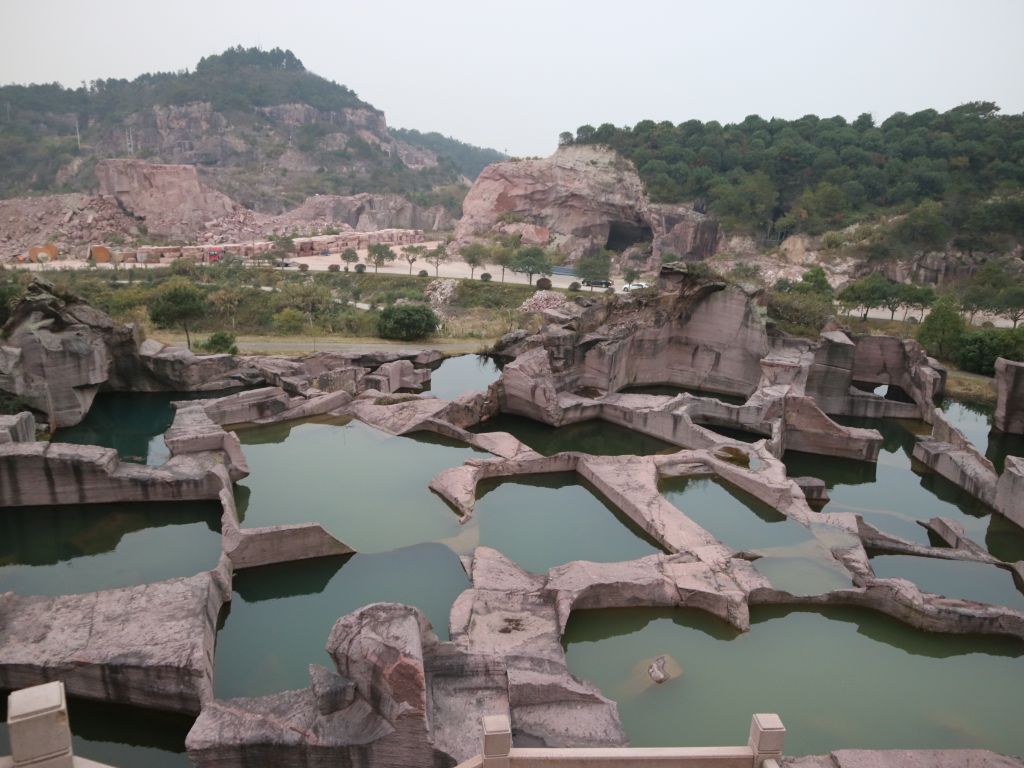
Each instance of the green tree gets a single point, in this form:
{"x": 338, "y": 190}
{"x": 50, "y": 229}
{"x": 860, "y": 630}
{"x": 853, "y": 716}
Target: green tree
{"x": 379, "y": 254}
{"x": 531, "y": 261}
{"x": 178, "y": 302}
{"x": 475, "y": 255}
{"x": 941, "y": 331}
{"x": 502, "y": 256}
{"x": 437, "y": 256}
{"x": 349, "y": 256}
{"x": 630, "y": 274}
{"x": 595, "y": 266}
{"x": 1010, "y": 302}
{"x": 412, "y": 253}
{"x": 220, "y": 342}
{"x": 407, "y": 322}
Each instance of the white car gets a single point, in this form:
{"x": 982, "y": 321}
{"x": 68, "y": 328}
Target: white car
{"x": 635, "y": 286}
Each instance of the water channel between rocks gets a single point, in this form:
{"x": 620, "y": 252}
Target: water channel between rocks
{"x": 838, "y": 678}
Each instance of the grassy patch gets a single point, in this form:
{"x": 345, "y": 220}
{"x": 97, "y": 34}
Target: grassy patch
{"x": 971, "y": 387}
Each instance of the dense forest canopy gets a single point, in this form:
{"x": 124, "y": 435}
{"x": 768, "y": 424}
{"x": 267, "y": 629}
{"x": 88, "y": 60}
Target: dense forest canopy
{"x": 470, "y": 160}
{"x": 239, "y": 78}
{"x": 959, "y": 172}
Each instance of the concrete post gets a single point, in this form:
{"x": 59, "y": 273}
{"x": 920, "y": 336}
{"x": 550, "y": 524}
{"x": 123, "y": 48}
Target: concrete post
{"x": 497, "y": 741}
{"x": 37, "y": 720}
{"x": 767, "y": 734}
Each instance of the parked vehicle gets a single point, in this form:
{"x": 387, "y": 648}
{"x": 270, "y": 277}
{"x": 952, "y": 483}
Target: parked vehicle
{"x": 599, "y": 283}
{"x": 635, "y": 286}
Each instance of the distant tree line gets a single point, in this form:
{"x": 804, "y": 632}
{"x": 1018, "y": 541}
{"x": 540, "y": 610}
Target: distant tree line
{"x": 957, "y": 175}
{"x": 469, "y": 159}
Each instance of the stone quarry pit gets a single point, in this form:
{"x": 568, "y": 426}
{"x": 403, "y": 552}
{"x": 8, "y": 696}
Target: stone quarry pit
{"x": 393, "y": 565}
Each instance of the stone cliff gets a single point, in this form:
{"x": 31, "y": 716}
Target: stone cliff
{"x": 582, "y": 199}
{"x": 169, "y": 199}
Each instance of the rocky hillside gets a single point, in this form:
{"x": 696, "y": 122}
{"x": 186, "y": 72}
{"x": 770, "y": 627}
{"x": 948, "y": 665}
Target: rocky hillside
{"x": 261, "y": 129}
{"x": 579, "y": 200}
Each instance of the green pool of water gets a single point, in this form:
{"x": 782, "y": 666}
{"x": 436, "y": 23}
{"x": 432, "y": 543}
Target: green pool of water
{"x": 597, "y": 437}
{"x": 368, "y": 488}
{"x": 975, "y": 421}
{"x": 671, "y": 391}
{"x": 735, "y": 434}
{"x": 838, "y": 679}
{"x": 281, "y": 616}
{"x": 541, "y": 521}
{"x": 84, "y": 548}
{"x": 465, "y": 373}
{"x": 131, "y": 422}
{"x": 119, "y": 736}
{"x": 952, "y": 578}
{"x": 892, "y": 496}
{"x": 792, "y": 558}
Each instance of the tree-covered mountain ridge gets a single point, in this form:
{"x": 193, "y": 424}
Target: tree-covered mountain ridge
{"x": 915, "y": 183}
{"x": 259, "y": 126}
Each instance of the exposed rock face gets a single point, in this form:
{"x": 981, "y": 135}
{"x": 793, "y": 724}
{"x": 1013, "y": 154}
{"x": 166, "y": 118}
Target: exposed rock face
{"x": 57, "y": 352}
{"x": 1010, "y": 397}
{"x": 64, "y": 219}
{"x": 581, "y": 199}
{"x": 399, "y": 698}
{"x": 364, "y": 213}
{"x": 19, "y": 428}
{"x": 151, "y": 645}
{"x": 169, "y": 199}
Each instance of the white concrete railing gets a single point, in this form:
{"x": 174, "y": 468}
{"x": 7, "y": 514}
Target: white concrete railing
{"x": 763, "y": 749}
{"x": 37, "y": 722}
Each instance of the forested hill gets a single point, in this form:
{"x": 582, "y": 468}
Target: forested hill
{"x": 259, "y": 125}
{"x": 467, "y": 158}
{"x": 959, "y": 175}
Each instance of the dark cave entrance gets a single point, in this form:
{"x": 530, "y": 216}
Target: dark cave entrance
{"x": 623, "y": 234}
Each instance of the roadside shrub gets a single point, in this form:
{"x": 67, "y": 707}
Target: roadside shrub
{"x": 360, "y": 268}
{"x": 407, "y": 322}
{"x": 802, "y": 314}
{"x": 288, "y": 321}
{"x": 543, "y": 284}
{"x": 423, "y": 273}
{"x": 303, "y": 267}
{"x": 977, "y": 351}
{"x": 485, "y": 276}
{"x": 220, "y": 341}
{"x": 334, "y": 267}
{"x": 941, "y": 331}
{"x": 574, "y": 286}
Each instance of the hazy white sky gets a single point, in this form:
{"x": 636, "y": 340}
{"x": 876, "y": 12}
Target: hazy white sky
{"x": 513, "y": 75}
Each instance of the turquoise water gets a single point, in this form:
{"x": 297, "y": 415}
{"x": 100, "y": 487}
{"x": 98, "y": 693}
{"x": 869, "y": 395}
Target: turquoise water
{"x": 838, "y": 679}
{"x": 597, "y": 437}
{"x": 952, "y": 578}
{"x": 368, "y": 488}
{"x": 84, "y": 548}
{"x": 281, "y": 615}
{"x": 791, "y": 558}
{"x": 465, "y": 373}
{"x": 119, "y": 736}
{"x": 890, "y": 495}
{"x": 975, "y": 421}
{"x": 131, "y": 422}
{"x": 539, "y": 521}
